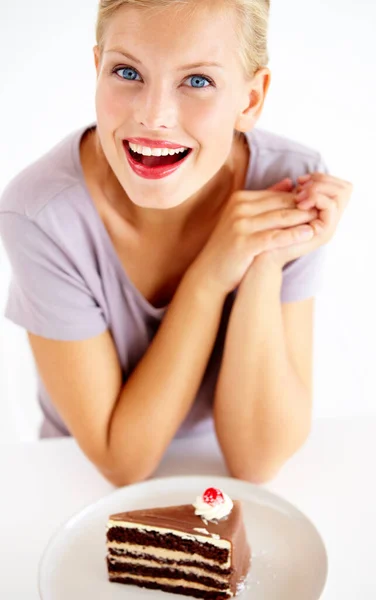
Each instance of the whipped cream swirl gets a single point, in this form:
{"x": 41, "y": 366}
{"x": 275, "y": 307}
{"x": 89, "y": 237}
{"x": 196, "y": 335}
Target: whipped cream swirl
{"x": 213, "y": 512}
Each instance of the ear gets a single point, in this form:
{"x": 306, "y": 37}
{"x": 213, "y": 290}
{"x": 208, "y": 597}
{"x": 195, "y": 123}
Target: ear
{"x": 97, "y": 59}
{"x": 255, "y": 94}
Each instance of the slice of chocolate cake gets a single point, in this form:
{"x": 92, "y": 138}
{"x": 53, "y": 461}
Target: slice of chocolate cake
{"x": 198, "y": 550}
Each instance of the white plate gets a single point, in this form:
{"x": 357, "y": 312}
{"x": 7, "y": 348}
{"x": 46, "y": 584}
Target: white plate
{"x": 289, "y": 557}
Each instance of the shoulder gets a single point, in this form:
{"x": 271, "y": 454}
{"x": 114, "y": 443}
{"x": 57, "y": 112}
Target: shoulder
{"x": 269, "y": 142}
{"x": 46, "y": 204}
{"x": 274, "y": 157}
{"x": 54, "y": 175}
{"x": 46, "y": 213}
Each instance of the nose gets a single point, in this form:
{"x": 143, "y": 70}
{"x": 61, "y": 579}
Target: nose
{"x": 155, "y": 107}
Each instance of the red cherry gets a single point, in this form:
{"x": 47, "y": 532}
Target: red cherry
{"x": 213, "y": 496}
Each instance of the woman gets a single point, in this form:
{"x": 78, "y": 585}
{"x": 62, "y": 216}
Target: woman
{"x": 166, "y": 258}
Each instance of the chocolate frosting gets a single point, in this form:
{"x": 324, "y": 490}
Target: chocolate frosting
{"x": 182, "y": 518}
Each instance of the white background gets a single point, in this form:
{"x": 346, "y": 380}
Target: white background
{"x": 323, "y": 94}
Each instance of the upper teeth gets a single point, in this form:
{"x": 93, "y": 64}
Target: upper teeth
{"x": 155, "y": 151}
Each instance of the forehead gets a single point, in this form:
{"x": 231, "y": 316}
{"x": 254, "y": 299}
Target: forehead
{"x": 176, "y": 33}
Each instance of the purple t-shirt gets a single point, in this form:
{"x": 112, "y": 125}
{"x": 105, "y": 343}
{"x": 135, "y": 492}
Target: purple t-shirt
{"x": 69, "y": 284}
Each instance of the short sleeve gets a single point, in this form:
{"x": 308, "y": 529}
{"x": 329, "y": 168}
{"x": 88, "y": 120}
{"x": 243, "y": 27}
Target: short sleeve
{"x": 47, "y": 296}
{"x": 303, "y": 278}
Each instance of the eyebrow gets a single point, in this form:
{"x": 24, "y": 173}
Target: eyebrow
{"x": 183, "y": 68}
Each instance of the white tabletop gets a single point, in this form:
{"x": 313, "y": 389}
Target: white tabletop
{"x": 330, "y": 479}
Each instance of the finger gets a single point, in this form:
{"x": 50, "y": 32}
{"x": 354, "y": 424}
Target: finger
{"x": 284, "y": 185}
{"x": 304, "y": 178}
{"x": 274, "y": 239}
{"x": 252, "y": 197}
{"x": 318, "y": 227}
{"x": 326, "y": 220}
{"x": 329, "y": 189}
{"x": 299, "y": 246}
{"x": 329, "y": 218}
{"x": 274, "y": 201}
{"x": 318, "y": 201}
{"x": 281, "y": 219}
{"x": 324, "y": 177}
{"x": 294, "y": 235}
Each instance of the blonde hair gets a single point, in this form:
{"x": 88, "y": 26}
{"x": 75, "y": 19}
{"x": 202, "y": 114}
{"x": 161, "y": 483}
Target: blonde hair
{"x": 252, "y": 30}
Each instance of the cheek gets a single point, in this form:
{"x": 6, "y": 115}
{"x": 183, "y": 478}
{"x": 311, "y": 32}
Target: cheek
{"x": 111, "y": 103}
{"x": 210, "y": 122}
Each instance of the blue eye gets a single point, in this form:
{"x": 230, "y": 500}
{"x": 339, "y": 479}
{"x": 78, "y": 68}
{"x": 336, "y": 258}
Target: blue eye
{"x": 198, "y": 81}
{"x": 130, "y": 74}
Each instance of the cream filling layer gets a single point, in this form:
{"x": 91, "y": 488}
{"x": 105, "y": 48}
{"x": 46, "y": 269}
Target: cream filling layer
{"x": 188, "y": 570}
{"x": 163, "y": 553}
{"x": 170, "y": 582}
{"x": 185, "y": 536}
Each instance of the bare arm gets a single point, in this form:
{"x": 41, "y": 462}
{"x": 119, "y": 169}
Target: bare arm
{"x": 263, "y": 397}
{"x": 125, "y": 430}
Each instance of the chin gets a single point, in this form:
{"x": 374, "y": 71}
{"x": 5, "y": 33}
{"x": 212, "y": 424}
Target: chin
{"x": 160, "y": 194}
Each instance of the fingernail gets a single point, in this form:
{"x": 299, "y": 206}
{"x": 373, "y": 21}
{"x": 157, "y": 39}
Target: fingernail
{"x": 306, "y": 233}
{"x": 302, "y": 195}
{"x": 304, "y": 177}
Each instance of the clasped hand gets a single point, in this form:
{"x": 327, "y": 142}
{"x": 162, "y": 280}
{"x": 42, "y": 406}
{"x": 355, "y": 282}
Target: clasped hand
{"x": 271, "y": 227}
{"x": 327, "y": 197}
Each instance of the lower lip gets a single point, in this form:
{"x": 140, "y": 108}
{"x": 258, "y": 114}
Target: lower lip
{"x": 152, "y": 172}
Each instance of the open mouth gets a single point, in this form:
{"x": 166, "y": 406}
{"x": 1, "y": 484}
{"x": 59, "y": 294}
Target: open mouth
{"x": 158, "y": 161}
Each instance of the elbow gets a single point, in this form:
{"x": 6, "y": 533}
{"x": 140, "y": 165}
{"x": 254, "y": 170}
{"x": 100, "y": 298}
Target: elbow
{"x": 129, "y": 465}
{"x": 126, "y": 469}
{"x": 120, "y": 480}
{"x": 256, "y": 475}
{"x": 269, "y": 463}
{"x": 122, "y": 477}
{"x": 125, "y": 463}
